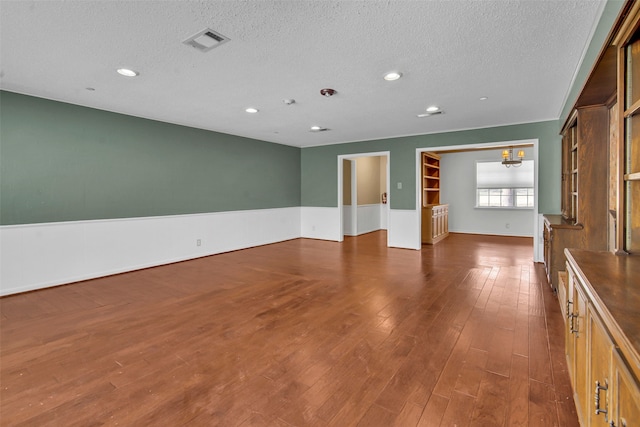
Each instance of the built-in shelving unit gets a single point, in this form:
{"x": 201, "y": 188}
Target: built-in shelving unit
{"x": 435, "y": 217}
{"x": 430, "y": 179}
{"x": 630, "y": 75}
{"x": 592, "y": 249}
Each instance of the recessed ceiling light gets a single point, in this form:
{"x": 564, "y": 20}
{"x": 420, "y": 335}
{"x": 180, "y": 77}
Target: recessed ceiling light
{"x": 317, "y": 129}
{"x": 433, "y": 109}
{"x": 484, "y": 98}
{"x": 127, "y": 72}
{"x": 394, "y": 75}
{"x": 251, "y": 110}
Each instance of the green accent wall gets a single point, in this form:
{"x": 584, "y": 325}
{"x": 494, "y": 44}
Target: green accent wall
{"x": 63, "y": 162}
{"x": 320, "y": 165}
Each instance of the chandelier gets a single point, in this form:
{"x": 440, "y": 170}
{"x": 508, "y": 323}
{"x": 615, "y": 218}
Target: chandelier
{"x": 508, "y": 160}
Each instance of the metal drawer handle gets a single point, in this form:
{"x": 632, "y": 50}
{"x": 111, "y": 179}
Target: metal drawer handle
{"x": 573, "y": 327}
{"x": 597, "y": 397}
{"x": 568, "y": 308}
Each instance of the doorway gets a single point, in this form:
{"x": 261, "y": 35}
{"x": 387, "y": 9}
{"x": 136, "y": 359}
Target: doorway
{"x": 534, "y": 220}
{"x": 363, "y": 193}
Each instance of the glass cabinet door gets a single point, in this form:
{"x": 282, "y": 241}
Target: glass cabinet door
{"x": 631, "y": 171}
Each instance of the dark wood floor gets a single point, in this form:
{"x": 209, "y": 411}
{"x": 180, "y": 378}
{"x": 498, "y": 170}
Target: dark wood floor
{"x": 299, "y": 333}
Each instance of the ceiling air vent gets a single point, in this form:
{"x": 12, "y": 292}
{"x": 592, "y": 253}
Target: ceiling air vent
{"x": 206, "y": 40}
{"x": 435, "y": 113}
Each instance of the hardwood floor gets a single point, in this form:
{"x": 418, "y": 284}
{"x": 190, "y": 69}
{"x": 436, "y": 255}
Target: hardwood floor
{"x": 299, "y": 333}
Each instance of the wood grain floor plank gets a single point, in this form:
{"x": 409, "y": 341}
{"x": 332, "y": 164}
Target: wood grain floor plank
{"x": 518, "y": 406}
{"x": 459, "y": 410}
{"x": 434, "y": 411}
{"x": 491, "y": 403}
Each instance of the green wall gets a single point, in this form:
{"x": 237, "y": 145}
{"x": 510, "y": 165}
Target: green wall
{"x": 62, "y": 162}
{"x": 607, "y": 19}
{"x": 320, "y": 166}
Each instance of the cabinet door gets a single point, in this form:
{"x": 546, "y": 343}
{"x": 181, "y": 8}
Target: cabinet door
{"x": 601, "y": 348}
{"x": 570, "y": 342}
{"x": 563, "y": 300}
{"x": 626, "y": 407}
{"x": 581, "y": 386}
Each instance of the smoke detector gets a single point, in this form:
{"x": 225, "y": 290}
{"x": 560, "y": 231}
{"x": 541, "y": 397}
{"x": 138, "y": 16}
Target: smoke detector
{"x": 206, "y": 40}
{"x": 328, "y": 92}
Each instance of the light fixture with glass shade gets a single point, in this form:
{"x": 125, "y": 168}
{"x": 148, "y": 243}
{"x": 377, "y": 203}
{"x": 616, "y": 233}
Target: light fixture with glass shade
{"x": 508, "y": 160}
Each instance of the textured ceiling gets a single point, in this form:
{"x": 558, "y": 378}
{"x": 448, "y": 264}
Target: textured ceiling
{"x": 522, "y": 55}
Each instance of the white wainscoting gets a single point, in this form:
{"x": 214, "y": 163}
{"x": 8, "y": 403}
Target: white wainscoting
{"x": 36, "y": 256}
{"x": 347, "y": 223}
{"x": 538, "y": 245}
{"x": 404, "y": 229}
{"x": 368, "y": 218}
{"x": 320, "y": 223}
{"x": 384, "y": 216}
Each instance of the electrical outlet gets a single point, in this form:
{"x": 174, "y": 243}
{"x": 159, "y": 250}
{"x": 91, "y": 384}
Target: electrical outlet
{"x": 507, "y": 225}
{"x": 198, "y": 242}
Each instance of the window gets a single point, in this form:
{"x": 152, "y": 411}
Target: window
{"x": 501, "y": 187}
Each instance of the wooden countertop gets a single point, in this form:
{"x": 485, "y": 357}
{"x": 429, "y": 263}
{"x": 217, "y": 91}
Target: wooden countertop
{"x": 558, "y": 221}
{"x": 613, "y": 285}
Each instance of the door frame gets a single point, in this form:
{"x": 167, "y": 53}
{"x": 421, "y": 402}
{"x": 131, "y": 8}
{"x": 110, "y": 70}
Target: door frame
{"x": 355, "y": 156}
{"x": 471, "y": 147}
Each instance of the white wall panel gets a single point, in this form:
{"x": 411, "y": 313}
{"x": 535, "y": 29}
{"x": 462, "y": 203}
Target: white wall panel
{"x": 320, "y": 223}
{"x": 347, "y": 223}
{"x": 41, "y": 255}
{"x": 404, "y": 229}
{"x": 384, "y": 216}
{"x": 368, "y": 218}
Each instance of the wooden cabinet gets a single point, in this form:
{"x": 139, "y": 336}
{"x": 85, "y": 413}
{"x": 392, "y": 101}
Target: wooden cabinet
{"x": 603, "y": 336}
{"x": 599, "y": 233}
{"x": 435, "y": 223}
{"x": 625, "y": 410}
{"x": 600, "y": 384}
{"x": 558, "y": 233}
{"x": 435, "y": 217}
{"x": 628, "y": 43}
{"x": 600, "y": 188}
{"x": 576, "y": 344}
{"x": 584, "y": 189}
{"x": 570, "y": 171}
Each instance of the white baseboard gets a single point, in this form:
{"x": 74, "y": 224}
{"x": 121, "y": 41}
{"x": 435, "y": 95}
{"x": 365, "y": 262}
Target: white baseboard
{"x": 36, "y": 256}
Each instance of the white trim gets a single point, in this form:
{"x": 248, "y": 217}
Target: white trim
{"x": 36, "y": 256}
{"x": 498, "y": 144}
